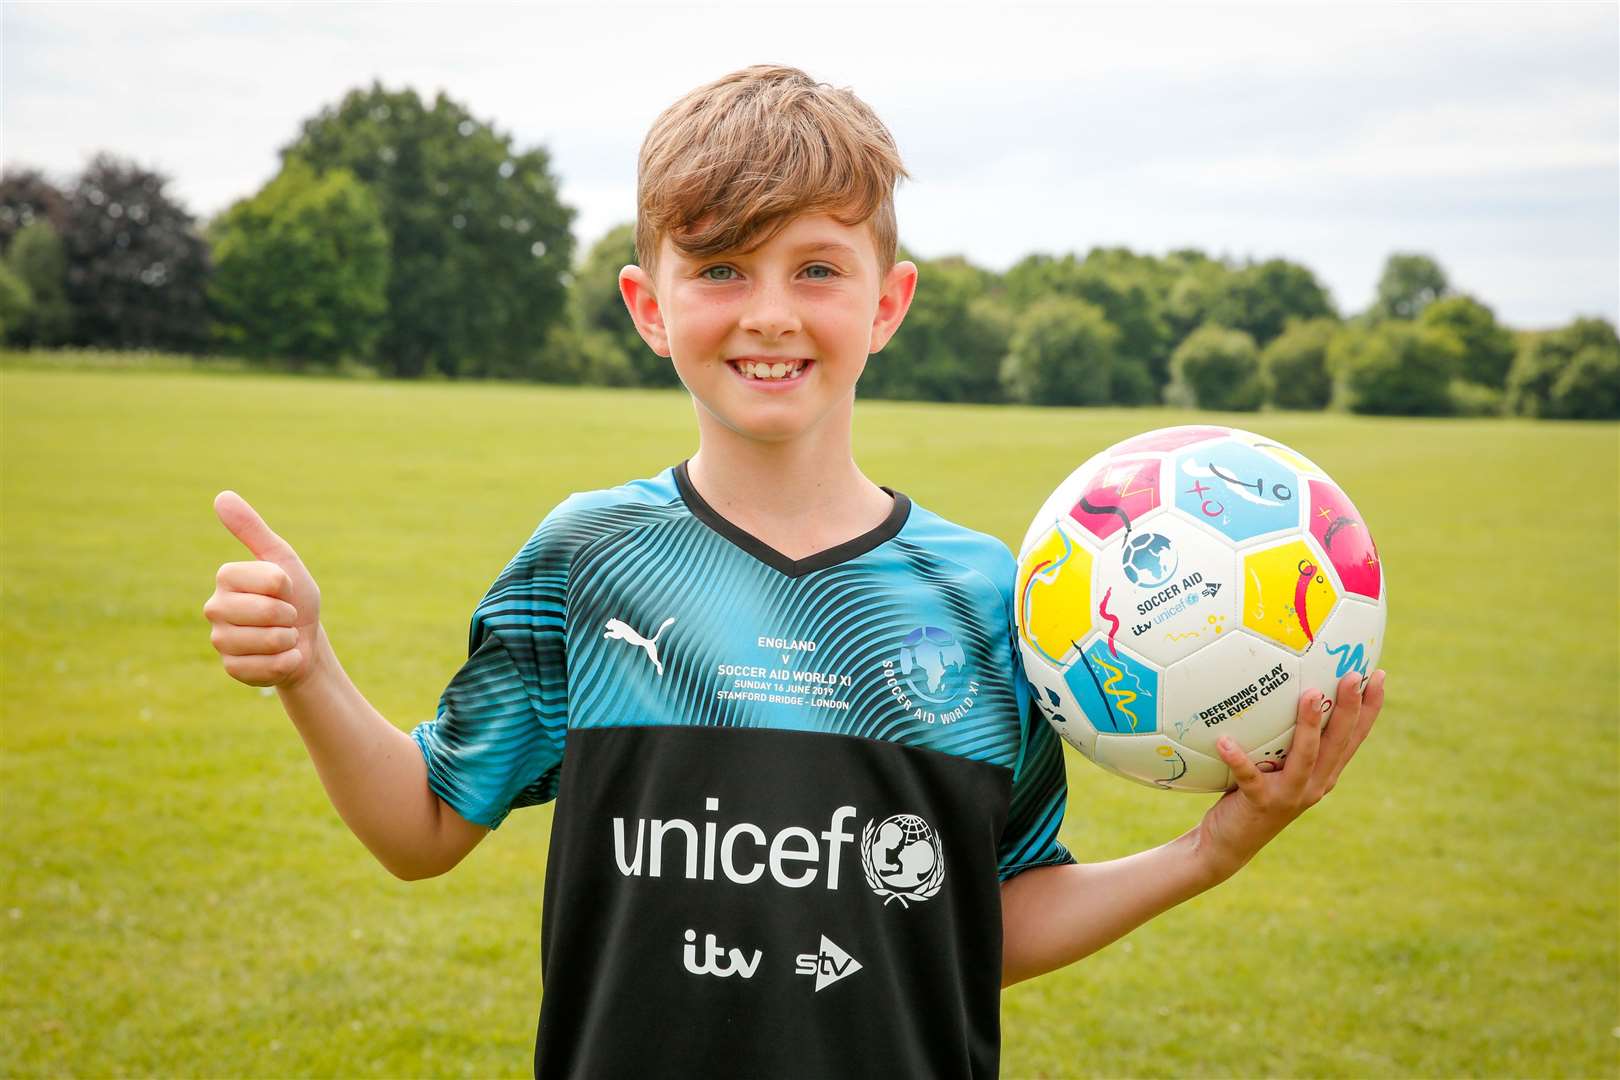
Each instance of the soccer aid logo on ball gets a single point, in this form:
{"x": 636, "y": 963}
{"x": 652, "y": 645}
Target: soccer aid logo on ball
{"x": 902, "y": 859}
{"x": 1191, "y": 583}
{"x": 1148, "y": 560}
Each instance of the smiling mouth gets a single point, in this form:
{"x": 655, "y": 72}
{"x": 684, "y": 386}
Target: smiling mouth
{"x": 780, "y": 371}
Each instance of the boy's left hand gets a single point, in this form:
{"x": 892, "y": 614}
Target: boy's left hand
{"x": 1245, "y": 819}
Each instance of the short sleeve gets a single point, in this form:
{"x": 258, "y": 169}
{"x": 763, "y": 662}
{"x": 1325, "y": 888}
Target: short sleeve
{"x": 496, "y": 742}
{"x": 1040, "y": 791}
{"x": 1040, "y": 788}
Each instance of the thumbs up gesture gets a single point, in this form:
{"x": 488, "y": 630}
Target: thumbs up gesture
{"x": 265, "y": 614}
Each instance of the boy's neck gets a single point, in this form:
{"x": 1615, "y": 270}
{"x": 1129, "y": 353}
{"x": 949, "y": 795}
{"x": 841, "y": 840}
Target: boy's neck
{"x": 798, "y": 497}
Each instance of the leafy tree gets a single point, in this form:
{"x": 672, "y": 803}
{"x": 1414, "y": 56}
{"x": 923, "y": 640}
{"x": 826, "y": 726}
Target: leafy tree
{"x": 592, "y": 357}
{"x": 27, "y": 196}
{"x": 952, "y": 342}
{"x": 1409, "y": 284}
{"x": 1030, "y": 279}
{"x": 1260, "y": 298}
{"x": 1589, "y": 388}
{"x": 37, "y": 259}
{"x": 1544, "y": 358}
{"x": 1487, "y": 349}
{"x": 1195, "y": 282}
{"x": 1475, "y": 399}
{"x": 1395, "y": 368}
{"x": 301, "y": 269}
{"x": 1134, "y": 381}
{"x": 599, "y": 309}
{"x": 137, "y": 266}
{"x": 1216, "y": 368}
{"x": 1293, "y": 368}
{"x": 1126, "y": 287}
{"x": 1062, "y": 353}
{"x": 481, "y": 242}
{"x": 16, "y": 303}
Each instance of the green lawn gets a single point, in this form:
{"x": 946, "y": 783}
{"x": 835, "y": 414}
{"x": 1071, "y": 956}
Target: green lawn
{"x": 179, "y": 898}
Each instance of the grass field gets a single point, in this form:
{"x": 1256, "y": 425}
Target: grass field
{"x": 179, "y": 898}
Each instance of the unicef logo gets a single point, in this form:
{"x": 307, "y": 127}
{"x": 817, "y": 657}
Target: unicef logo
{"x": 932, "y": 663}
{"x": 902, "y": 859}
{"x": 1149, "y": 560}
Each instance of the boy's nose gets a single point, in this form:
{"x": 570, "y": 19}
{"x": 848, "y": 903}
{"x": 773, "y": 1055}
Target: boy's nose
{"x": 769, "y": 313}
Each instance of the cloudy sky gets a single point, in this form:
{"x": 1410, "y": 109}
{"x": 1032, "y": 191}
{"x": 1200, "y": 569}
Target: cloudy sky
{"x": 1487, "y": 135}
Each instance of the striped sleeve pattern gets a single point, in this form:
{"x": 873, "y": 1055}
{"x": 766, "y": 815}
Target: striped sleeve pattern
{"x": 496, "y": 742}
{"x": 1040, "y": 792}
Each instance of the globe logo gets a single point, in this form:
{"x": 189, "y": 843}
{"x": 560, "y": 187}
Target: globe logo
{"x": 1149, "y": 560}
{"x": 933, "y": 663}
{"x": 902, "y": 859}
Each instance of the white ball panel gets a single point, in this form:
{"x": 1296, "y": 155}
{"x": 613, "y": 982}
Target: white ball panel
{"x": 1240, "y": 686}
{"x": 1350, "y": 640}
{"x": 1156, "y": 760}
{"x": 1269, "y": 756}
{"x": 1193, "y": 606}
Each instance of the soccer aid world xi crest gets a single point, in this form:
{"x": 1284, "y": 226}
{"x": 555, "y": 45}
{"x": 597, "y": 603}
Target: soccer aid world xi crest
{"x": 928, "y": 678}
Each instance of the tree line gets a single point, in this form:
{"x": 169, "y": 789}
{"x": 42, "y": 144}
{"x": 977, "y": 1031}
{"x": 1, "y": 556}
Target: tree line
{"x": 412, "y": 238}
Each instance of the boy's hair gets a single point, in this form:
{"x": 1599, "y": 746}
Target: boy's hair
{"x": 754, "y": 149}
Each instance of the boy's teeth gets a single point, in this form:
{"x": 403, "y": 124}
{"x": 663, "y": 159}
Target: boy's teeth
{"x": 754, "y": 370}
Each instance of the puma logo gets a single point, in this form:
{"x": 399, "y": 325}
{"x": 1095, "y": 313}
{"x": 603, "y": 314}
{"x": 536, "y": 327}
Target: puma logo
{"x": 618, "y": 628}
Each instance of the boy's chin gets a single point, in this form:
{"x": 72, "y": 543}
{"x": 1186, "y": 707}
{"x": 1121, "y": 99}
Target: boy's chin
{"x": 770, "y": 434}
{"x": 770, "y": 430}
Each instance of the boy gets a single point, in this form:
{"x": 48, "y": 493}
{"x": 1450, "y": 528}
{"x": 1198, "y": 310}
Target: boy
{"x": 806, "y": 817}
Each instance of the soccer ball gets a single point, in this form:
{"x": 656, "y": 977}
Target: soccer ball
{"x": 1190, "y": 583}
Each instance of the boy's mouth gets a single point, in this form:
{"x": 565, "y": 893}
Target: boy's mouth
{"x": 766, "y": 369}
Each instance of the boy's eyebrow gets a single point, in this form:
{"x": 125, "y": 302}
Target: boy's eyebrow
{"x": 802, "y": 249}
{"x": 827, "y": 245}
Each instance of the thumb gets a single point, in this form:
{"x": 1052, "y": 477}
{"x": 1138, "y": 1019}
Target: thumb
{"x": 247, "y": 526}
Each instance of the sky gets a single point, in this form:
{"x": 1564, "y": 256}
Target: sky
{"x": 1484, "y": 135}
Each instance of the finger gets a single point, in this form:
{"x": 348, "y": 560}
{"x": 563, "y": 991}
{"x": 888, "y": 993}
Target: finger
{"x": 1372, "y": 703}
{"x": 263, "y": 670}
{"x": 1345, "y": 706}
{"x": 247, "y": 526}
{"x": 1244, "y": 772}
{"x": 1306, "y": 747}
{"x": 265, "y": 578}
{"x": 249, "y": 609}
{"x": 253, "y": 640}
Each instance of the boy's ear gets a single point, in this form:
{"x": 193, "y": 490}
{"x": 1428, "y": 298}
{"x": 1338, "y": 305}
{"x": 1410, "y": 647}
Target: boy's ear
{"x": 639, "y": 296}
{"x": 899, "y": 286}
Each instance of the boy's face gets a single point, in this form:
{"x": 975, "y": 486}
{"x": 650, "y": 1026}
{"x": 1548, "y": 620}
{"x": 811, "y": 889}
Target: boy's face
{"x": 811, "y": 295}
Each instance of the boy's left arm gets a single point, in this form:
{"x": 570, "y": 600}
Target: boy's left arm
{"x": 1053, "y": 915}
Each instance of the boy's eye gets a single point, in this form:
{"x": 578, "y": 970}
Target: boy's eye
{"x": 729, "y": 274}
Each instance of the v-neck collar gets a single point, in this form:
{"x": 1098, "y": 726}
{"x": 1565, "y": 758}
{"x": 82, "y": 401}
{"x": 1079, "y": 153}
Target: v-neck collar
{"x": 821, "y": 560}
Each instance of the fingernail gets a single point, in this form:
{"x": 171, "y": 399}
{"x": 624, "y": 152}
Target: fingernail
{"x": 1327, "y": 706}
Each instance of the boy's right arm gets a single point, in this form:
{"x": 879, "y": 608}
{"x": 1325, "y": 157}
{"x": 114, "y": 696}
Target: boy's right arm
{"x": 265, "y": 618}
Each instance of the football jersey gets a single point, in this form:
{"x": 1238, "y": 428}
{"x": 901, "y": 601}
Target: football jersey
{"x": 787, "y": 790}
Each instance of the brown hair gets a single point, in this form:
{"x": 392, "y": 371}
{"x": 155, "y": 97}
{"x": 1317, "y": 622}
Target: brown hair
{"x": 755, "y": 149}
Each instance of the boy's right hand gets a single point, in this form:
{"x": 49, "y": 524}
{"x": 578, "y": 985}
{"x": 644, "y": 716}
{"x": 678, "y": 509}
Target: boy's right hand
{"x": 265, "y": 614}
